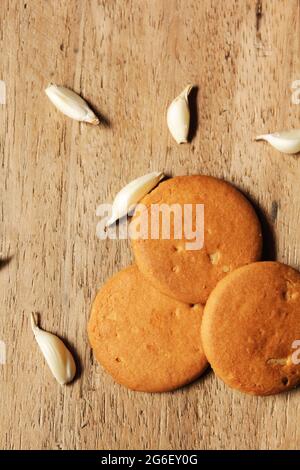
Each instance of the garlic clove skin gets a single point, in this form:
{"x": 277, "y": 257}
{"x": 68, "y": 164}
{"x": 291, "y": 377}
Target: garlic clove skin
{"x": 285, "y": 141}
{"x": 178, "y": 116}
{"x": 132, "y": 193}
{"x": 71, "y": 104}
{"x": 57, "y": 355}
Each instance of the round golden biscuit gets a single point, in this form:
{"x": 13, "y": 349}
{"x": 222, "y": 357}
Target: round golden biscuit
{"x": 232, "y": 237}
{"x": 251, "y": 328}
{"x": 144, "y": 339}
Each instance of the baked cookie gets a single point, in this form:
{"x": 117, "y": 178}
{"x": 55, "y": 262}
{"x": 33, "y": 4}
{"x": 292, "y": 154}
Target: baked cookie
{"x": 232, "y": 237}
{"x": 144, "y": 339}
{"x": 250, "y": 324}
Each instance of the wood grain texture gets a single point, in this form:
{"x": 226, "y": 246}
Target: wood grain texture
{"x": 129, "y": 59}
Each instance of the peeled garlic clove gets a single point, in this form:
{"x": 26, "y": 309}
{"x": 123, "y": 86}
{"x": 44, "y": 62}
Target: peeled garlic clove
{"x": 71, "y": 104}
{"x": 178, "y": 116}
{"x": 132, "y": 193}
{"x": 57, "y": 355}
{"x": 285, "y": 141}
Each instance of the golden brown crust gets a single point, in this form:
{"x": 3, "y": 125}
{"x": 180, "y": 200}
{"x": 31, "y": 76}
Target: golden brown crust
{"x": 144, "y": 339}
{"x": 249, "y": 325}
{"x": 232, "y": 238}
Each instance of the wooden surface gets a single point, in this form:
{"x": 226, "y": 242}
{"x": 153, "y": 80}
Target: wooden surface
{"x": 130, "y": 59}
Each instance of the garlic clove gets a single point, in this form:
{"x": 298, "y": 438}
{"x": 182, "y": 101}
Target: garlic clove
{"x": 285, "y": 141}
{"x": 132, "y": 193}
{"x": 71, "y": 104}
{"x": 178, "y": 116}
{"x": 57, "y": 355}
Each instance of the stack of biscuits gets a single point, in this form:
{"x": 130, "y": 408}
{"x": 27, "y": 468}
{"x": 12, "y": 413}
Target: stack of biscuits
{"x": 157, "y": 325}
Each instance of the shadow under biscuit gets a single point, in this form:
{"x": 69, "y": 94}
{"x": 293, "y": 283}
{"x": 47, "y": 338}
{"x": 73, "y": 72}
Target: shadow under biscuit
{"x": 269, "y": 249}
{"x": 5, "y": 261}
